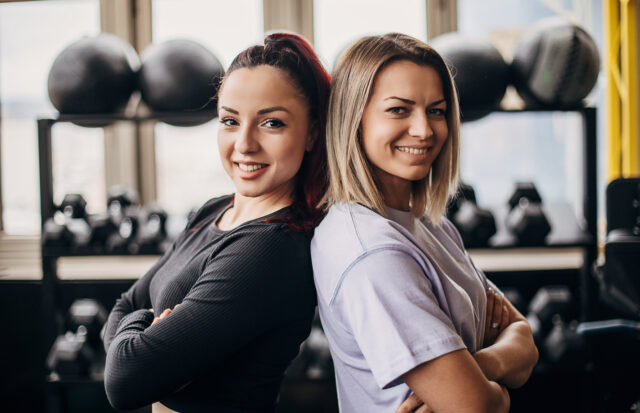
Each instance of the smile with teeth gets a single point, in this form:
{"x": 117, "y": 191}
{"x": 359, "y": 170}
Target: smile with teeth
{"x": 251, "y": 168}
{"x": 413, "y": 151}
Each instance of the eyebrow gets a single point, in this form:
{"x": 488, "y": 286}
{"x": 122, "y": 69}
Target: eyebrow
{"x": 411, "y": 102}
{"x": 260, "y": 112}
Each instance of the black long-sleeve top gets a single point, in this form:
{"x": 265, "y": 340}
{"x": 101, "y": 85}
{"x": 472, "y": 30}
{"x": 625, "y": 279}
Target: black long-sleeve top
{"x": 246, "y": 303}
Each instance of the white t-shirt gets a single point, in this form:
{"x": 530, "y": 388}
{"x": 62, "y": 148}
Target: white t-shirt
{"x": 392, "y": 294}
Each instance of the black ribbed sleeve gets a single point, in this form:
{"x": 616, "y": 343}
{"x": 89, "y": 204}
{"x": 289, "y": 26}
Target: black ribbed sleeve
{"x": 246, "y": 302}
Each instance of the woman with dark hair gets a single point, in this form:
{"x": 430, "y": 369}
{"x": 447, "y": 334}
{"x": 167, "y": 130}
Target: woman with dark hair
{"x": 234, "y": 296}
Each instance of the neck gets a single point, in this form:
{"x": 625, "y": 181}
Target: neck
{"x": 247, "y": 208}
{"x": 395, "y": 191}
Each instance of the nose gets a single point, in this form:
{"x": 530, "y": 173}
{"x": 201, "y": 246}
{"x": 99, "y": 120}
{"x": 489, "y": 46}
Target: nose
{"x": 246, "y": 142}
{"x": 419, "y": 126}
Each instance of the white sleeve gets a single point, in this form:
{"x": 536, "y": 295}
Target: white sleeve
{"x": 386, "y": 301}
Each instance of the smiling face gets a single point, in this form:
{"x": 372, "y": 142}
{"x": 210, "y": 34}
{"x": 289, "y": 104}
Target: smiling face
{"x": 264, "y": 131}
{"x": 404, "y": 126}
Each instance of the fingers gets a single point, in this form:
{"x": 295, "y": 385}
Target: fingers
{"x": 505, "y": 318}
{"x": 163, "y": 315}
{"x": 423, "y": 409}
{"x": 490, "y": 304}
{"x": 497, "y": 310}
{"x": 408, "y": 406}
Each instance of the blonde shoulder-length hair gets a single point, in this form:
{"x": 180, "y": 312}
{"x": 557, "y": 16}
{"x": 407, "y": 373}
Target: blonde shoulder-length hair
{"x": 351, "y": 176}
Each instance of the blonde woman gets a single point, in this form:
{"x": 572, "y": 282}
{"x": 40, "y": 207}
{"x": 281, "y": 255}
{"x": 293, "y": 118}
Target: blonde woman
{"x": 403, "y": 306}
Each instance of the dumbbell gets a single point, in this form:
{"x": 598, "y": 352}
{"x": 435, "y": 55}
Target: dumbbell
{"x": 563, "y": 346}
{"x": 153, "y": 231}
{"x": 526, "y": 219}
{"x": 90, "y": 314}
{"x": 69, "y": 228}
{"x": 119, "y": 241}
{"x": 120, "y": 199}
{"x": 548, "y": 302}
{"x": 513, "y": 295}
{"x": 71, "y": 355}
{"x": 476, "y": 225}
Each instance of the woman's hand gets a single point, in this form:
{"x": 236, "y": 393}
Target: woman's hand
{"x": 498, "y": 317}
{"x": 165, "y": 313}
{"x": 413, "y": 404}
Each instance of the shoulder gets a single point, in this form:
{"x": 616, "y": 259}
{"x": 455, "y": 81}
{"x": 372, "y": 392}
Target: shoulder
{"x": 211, "y": 207}
{"x": 348, "y": 234}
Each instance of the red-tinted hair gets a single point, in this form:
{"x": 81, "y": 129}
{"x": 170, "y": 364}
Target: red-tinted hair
{"x": 296, "y": 57}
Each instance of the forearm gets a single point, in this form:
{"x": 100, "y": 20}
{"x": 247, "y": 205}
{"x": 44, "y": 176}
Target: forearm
{"x": 510, "y": 360}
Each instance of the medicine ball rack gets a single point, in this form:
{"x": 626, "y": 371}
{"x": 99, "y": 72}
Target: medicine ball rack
{"x": 584, "y": 232}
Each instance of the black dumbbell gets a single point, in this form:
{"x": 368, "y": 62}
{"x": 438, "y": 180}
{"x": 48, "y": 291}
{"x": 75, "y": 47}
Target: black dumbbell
{"x": 119, "y": 241}
{"x": 476, "y": 225}
{"x": 102, "y": 227}
{"x": 563, "y": 346}
{"x": 120, "y": 199}
{"x": 73, "y": 208}
{"x": 513, "y": 295}
{"x": 153, "y": 231}
{"x": 71, "y": 356}
{"x": 90, "y": 314}
{"x": 549, "y": 301}
{"x": 526, "y": 218}
{"x": 56, "y": 235}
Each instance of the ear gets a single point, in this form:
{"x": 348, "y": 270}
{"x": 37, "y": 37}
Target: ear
{"x": 311, "y": 140}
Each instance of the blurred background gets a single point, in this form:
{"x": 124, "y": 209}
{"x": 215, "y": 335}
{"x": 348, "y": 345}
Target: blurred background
{"x": 570, "y": 150}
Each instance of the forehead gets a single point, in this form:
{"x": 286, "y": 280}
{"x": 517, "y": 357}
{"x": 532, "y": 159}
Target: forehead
{"x": 259, "y": 86}
{"x": 408, "y": 80}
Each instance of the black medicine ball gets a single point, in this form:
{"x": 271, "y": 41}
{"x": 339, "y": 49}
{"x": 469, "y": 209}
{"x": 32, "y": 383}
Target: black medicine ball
{"x": 179, "y": 76}
{"x": 556, "y": 64}
{"x": 479, "y": 70}
{"x": 94, "y": 75}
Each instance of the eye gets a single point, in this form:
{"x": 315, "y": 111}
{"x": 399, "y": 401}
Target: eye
{"x": 397, "y": 110}
{"x": 437, "y": 112}
{"x": 228, "y": 122}
{"x": 273, "y": 123}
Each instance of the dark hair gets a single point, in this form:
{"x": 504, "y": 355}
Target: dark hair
{"x": 292, "y": 54}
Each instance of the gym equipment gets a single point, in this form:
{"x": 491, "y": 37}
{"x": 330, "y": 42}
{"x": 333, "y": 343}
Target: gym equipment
{"x": 476, "y": 225}
{"x": 102, "y": 227}
{"x": 526, "y": 219}
{"x": 180, "y": 75}
{"x": 90, "y": 314}
{"x": 563, "y": 346}
{"x": 119, "y": 199}
{"x": 73, "y": 208}
{"x": 119, "y": 241}
{"x": 71, "y": 356}
{"x": 479, "y": 70}
{"x": 56, "y": 235}
{"x": 555, "y": 64}
{"x": 514, "y": 297}
{"x": 549, "y": 301}
{"x": 94, "y": 75}
{"x": 153, "y": 231}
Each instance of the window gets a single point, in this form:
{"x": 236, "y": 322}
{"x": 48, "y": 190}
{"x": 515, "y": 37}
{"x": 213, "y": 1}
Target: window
{"x": 339, "y": 23}
{"x": 188, "y": 165}
{"x": 31, "y": 36}
{"x": 545, "y": 147}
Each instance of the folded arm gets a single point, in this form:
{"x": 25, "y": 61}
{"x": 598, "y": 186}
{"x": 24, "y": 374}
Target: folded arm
{"x": 241, "y": 294}
{"x": 510, "y": 359}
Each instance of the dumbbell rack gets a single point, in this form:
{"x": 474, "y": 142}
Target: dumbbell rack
{"x": 581, "y": 233}
{"x": 51, "y": 293}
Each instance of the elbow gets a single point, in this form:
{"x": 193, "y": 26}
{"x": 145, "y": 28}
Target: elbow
{"x": 121, "y": 383}
{"x": 497, "y": 400}
{"x": 520, "y": 379}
